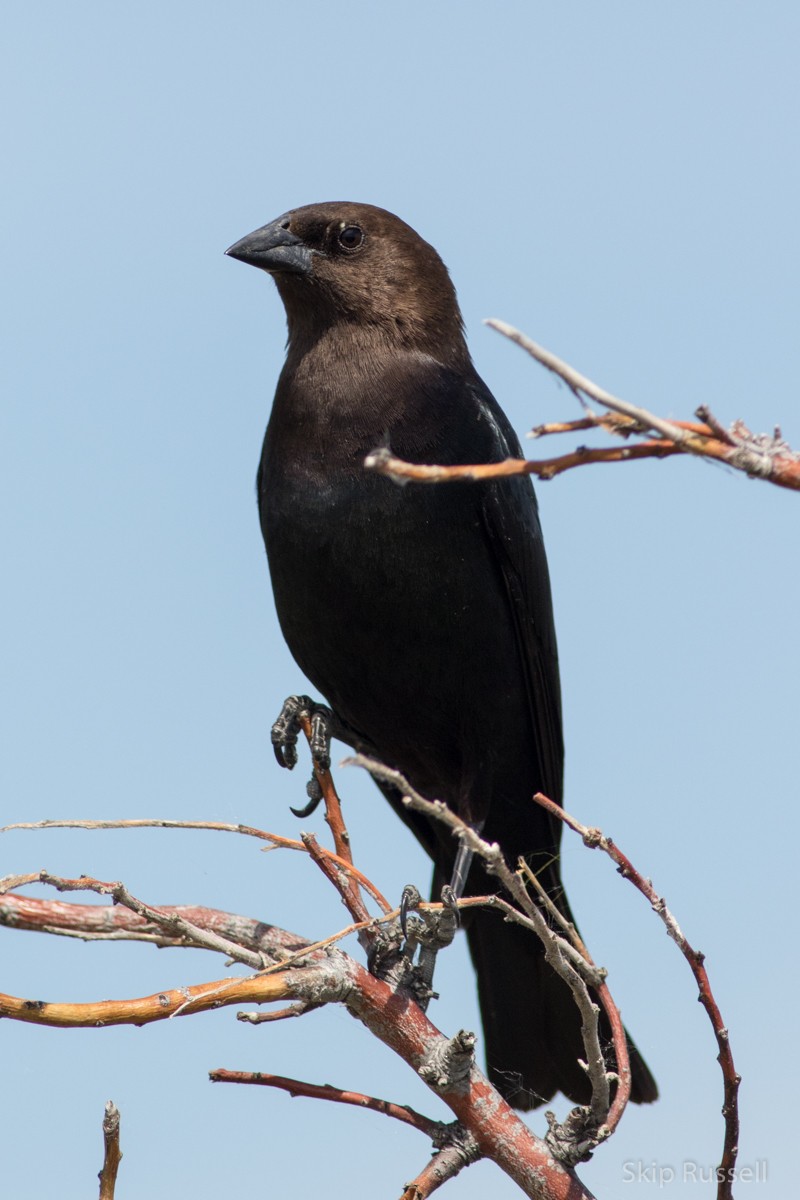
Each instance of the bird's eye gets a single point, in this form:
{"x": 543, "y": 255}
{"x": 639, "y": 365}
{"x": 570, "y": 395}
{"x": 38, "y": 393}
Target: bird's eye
{"x": 351, "y": 237}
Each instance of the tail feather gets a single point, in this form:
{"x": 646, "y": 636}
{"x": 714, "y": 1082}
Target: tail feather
{"x": 531, "y": 1024}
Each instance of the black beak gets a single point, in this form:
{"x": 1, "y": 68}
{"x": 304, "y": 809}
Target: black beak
{"x": 273, "y": 248}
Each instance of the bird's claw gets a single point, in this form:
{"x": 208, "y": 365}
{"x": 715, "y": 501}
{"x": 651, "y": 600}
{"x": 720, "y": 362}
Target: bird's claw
{"x": 409, "y": 902}
{"x": 285, "y": 732}
{"x": 287, "y": 727}
{"x": 314, "y": 793}
{"x": 450, "y": 912}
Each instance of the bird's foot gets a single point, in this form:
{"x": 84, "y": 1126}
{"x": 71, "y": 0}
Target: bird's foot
{"x": 388, "y": 960}
{"x": 285, "y": 732}
{"x": 429, "y": 933}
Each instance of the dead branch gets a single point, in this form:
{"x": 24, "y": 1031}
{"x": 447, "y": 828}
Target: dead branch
{"x": 113, "y": 1154}
{"x": 315, "y": 1091}
{"x": 595, "y": 839}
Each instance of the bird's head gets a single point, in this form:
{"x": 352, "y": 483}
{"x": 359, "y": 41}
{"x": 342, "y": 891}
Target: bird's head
{"x": 359, "y": 265}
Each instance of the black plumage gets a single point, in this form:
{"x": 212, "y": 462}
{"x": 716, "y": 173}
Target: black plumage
{"x": 422, "y": 614}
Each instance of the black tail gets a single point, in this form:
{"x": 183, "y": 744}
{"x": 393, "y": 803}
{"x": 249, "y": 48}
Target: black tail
{"x": 531, "y": 1024}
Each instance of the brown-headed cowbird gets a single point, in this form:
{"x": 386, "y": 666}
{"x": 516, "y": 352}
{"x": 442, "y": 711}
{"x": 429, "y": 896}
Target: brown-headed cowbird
{"x": 423, "y": 613}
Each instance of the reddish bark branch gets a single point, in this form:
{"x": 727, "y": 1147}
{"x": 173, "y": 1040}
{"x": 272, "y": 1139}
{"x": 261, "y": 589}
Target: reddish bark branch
{"x": 455, "y": 1148}
{"x": 346, "y": 884}
{"x": 94, "y": 922}
{"x": 444, "y": 1165}
{"x": 317, "y": 1091}
{"x": 174, "y": 923}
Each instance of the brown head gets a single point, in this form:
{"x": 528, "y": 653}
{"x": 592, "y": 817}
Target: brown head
{"x": 345, "y": 264}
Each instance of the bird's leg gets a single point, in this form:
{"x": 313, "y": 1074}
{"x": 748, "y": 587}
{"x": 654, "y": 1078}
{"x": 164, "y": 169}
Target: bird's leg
{"x": 461, "y": 870}
{"x": 285, "y": 732}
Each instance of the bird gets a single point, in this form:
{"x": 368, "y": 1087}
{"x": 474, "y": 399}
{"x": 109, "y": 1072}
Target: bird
{"x": 422, "y": 614}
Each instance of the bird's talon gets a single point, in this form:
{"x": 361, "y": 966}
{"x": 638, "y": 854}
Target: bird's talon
{"x": 314, "y": 793}
{"x": 409, "y": 902}
{"x": 450, "y": 902}
{"x": 286, "y": 728}
{"x": 285, "y": 732}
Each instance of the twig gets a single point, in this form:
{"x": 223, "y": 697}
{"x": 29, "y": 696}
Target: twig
{"x": 345, "y": 886}
{"x": 761, "y": 457}
{"x": 316, "y": 1091}
{"x": 613, "y": 423}
{"x": 595, "y": 839}
{"x": 280, "y": 1014}
{"x": 400, "y": 471}
{"x": 113, "y": 1154}
{"x": 455, "y": 1148}
{"x": 276, "y": 841}
{"x": 9, "y": 882}
{"x": 618, "y": 1035}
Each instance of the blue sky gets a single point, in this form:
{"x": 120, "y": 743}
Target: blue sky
{"x": 621, "y": 182}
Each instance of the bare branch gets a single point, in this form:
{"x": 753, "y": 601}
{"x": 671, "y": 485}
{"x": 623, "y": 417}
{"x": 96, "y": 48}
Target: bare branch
{"x": 173, "y": 922}
{"x": 761, "y": 456}
{"x": 254, "y": 989}
{"x": 400, "y": 471}
{"x": 113, "y": 1154}
{"x": 315, "y": 1091}
{"x": 93, "y": 922}
{"x": 455, "y": 1147}
{"x": 276, "y": 841}
{"x": 279, "y": 1014}
{"x": 344, "y": 884}
{"x": 595, "y": 839}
